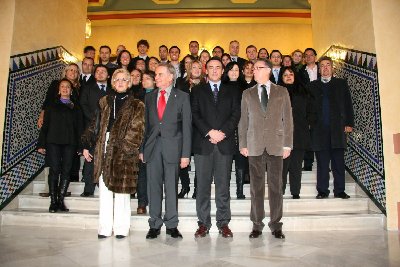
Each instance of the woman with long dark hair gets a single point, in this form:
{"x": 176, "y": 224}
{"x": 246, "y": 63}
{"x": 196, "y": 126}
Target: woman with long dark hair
{"x": 300, "y": 101}
{"x": 59, "y": 139}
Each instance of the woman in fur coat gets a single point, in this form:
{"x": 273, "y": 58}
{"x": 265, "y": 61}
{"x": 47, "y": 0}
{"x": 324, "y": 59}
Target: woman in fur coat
{"x": 116, "y": 134}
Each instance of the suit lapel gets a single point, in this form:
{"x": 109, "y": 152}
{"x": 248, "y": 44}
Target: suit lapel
{"x": 256, "y": 98}
{"x": 170, "y": 104}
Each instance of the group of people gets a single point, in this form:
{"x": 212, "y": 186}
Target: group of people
{"x": 138, "y": 121}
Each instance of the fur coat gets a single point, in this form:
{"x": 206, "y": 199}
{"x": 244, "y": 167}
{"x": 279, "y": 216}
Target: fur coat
{"x": 118, "y": 160}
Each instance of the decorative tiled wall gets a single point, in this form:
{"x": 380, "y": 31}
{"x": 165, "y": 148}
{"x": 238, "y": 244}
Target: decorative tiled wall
{"x": 364, "y": 156}
{"x": 29, "y": 78}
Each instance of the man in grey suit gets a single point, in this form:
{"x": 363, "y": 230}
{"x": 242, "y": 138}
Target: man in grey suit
{"x": 266, "y": 137}
{"x": 166, "y": 147}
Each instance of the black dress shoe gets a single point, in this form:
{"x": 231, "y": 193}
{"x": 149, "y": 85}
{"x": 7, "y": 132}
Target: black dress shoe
{"x": 101, "y": 236}
{"x": 321, "y": 196}
{"x": 342, "y": 195}
{"x": 86, "y": 194}
{"x": 120, "y": 236}
{"x": 296, "y": 196}
{"x": 278, "y": 234}
{"x": 174, "y": 233}
{"x": 152, "y": 233}
{"x": 184, "y": 191}
{"x": 255, "y": 234}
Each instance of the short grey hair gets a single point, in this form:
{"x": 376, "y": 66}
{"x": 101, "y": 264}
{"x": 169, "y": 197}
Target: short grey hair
{"x": 170, "y": 68}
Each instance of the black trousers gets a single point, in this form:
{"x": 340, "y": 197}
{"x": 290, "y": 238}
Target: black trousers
{"x": 59, "y": 158}
{"x": 184, "y": 176}
{"x": 142, "y": 186}
{"x": 292, "y": 165}
{"x": 87, "y": 173}
{"x": 336, "y": 158}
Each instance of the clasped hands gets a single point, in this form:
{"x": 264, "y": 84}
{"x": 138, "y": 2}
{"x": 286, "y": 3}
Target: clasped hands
{"x": 216, "y": 136}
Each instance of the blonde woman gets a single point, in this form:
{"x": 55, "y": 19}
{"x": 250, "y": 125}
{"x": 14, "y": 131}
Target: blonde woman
{"x": 118, "y": 130}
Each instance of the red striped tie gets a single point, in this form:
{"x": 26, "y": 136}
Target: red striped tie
{"x": 161, "y": 105}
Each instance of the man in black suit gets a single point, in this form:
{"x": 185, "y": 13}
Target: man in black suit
{"x": 307, "y": 74}
{"x": 333, "y": 119}
{"x": 142, "y": 47}
{"x": 216, "y": 114}
{"x": 276, "y": 60}
{"x": 234, "y": 52}
{"x": 89, "y": 100}
{"x": 87, "y": 77}
{"x": 166, "y": 147}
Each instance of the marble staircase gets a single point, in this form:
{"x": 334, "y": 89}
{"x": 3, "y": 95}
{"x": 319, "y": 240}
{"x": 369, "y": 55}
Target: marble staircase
{"x": 305, "y": 214}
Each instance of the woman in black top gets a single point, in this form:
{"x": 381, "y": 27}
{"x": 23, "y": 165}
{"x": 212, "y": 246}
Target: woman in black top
{"x": 232, "y": 76}
{"x": 59, "y": 139}
{"x": 301, "y": 109}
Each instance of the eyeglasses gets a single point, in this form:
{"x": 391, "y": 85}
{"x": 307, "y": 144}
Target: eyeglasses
{"x": 258, "y": 68}
{"x": 120, "y": 80}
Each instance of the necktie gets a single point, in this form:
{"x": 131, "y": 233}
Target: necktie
{"x": 84, "y": 78}
{"x": 276, "y": 73}
{"x": 264, "y": 97}
{"x": 215, "y": 92}
{"x": 103, "y": 87}
{"x": 234, "y": 59}
{"x": 161, "y": 104}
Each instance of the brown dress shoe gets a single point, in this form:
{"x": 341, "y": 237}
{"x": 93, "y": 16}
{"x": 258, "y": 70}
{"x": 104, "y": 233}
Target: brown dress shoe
{"x": 141, "y": 210}
{"x": 255, "y": 234}
{"x": 278, "y": 234}
{"x": 201, "y": 232}
{"x": 225, "y": 231}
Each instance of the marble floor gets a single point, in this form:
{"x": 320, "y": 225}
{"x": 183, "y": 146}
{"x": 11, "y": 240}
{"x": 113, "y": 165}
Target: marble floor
{"x": 35, "y": 246}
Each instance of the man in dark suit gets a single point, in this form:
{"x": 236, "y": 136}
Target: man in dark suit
{"x": 266, "y": 137}
{"x": 334, "y": 118}
{"x": 166, "y": 147}
{"x": 87, "y": 77}
{"x": 216, "y": 113}
{"x": 89, "y": 101}
{"x": 276, "y": 60}
{"x": 142, "y": 47}
{"x": 234, "y": 52}
{"x": 307, "y": 74}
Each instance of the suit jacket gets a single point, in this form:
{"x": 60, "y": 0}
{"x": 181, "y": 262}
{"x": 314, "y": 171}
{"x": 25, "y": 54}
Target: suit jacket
{"x": 89, "y": 101}
{"x": 241, "y": 62}
{"x": 222, "y": 116}
{"x": 271, "y": 130}
{"x": 175, "y": 129}
{"x": 272, "y": 77}
{"x": 340, "y": 114}
{"x": 84, "y": 84}
{"x": 303, "y": 75}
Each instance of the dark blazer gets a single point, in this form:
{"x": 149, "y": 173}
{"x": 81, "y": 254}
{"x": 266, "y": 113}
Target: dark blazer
{"x": 62, "y": 125}
{"x": 272, "y": 77}
{"x": 301, "y": 110}
{"x": 175, "y": 129}
{"x": 89, "y": 100}
{"x": 340, "y": 113}
{"x": 241, "y": 62}
{"x": 303, "y": 75}
{"x": 207, "y": 115}
{"x": 89, "y": 82}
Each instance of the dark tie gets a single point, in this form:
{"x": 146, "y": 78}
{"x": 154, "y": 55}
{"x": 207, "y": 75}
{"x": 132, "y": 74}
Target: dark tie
{"x": 215, "y": 92}
{"x": 264, "y": 97}
{"x": 234, "y": 59}
{"x": 84, "y": 78}
{"x": 102, "y": 87}
{"x": 161, "y": 105}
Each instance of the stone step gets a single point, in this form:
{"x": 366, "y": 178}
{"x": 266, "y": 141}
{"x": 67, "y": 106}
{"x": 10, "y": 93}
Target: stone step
{"x": 307, "y": 189}
{"x": 188, "y": 206}
{"x": 188, "y": 223}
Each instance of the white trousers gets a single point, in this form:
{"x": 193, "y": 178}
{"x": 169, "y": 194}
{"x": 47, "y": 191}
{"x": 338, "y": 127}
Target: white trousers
{"x": 115, "y": 212}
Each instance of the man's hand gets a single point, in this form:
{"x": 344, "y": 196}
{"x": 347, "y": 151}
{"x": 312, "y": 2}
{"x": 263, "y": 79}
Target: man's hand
{"x": 286, "y": 153}
{"x": 244, "y": 151}
{"x": 348, "y": 129}
{"x": 42, "y": 151}
{"x": 87, "y": 155}
{"x": 40, "y": 119}
{"x": 216, "y": 135}
{"x": 141, "y": 157}
{"x": 184, "y": 162}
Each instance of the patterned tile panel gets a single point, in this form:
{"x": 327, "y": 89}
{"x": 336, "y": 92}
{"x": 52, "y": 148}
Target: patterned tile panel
{"x": 29, "y": 78}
